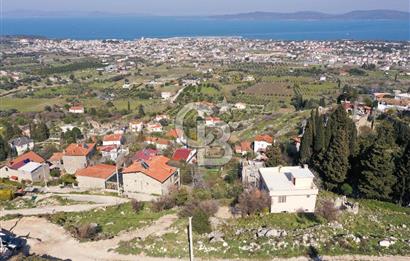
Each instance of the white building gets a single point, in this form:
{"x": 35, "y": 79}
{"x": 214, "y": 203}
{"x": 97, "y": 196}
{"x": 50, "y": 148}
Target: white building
{"x": 21, "y": 144}
{"x": 113, "y": 139}
{"x": 136, "y": 126}
{"x": 261, "y": 142}
{"x": 291, "y": 188}
{"x": 154, "y": 127}
{"x": 212, "y": 121}
{"x": 34, "y": 171}
{"x": 76, "y": 109}
{"x": 166, "y": 95}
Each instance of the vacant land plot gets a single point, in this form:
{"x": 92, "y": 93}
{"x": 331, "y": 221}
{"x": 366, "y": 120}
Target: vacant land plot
{"x": 28, "y": 104}
{"x": 270, "y": 89}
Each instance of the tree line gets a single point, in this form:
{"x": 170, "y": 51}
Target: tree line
{"x": 374, "y": 165}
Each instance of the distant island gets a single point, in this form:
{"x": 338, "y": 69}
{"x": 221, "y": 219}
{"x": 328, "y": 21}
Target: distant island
{"x": 310, "y": 15}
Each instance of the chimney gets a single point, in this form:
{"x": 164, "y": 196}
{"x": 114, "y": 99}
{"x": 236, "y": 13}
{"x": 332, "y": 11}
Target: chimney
{"x": 305, "y": 166}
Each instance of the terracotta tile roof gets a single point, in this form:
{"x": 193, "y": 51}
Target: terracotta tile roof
{"x": 107, "y": 148}
{"x": 175, "y": 133}
{"x": 181, "y": 154}
{"x": 157, "y": 140}
{"x": 156, "y": 168}
{"x": 264, "y": 137}
{"x": 243, "y": 146}
{"x": 100, "y": 171}
{"x": 57, "y": 156}
{"x": 79, "y": 149}
{"x": 112, "y": 137}
{"x": 24, "y": 159}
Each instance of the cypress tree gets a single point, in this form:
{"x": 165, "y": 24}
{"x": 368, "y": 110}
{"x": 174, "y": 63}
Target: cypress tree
{"x": 3, "y": 149}
{"x": 376, "y": 179}
{"x": 319, "y": 137}
{"x": 274, "y": 155}
{"x": 335, "y": 162}
{"x": 402, "y": 188}
{"x": 306, "y": 143}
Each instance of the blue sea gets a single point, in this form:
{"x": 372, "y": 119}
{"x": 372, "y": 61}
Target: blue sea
{"x": 164, "y": 27}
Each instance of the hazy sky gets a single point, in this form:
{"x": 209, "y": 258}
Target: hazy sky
{"x": 203, "y": 7}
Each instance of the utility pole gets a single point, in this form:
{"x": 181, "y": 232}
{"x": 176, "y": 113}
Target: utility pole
{"x": 44, "y": 175}
{"x": 191, "y": 247}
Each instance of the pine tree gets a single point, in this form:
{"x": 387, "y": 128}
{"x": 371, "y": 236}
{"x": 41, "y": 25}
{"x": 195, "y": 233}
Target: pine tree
{"x": 274, "y": 155}
{"x": 376, "y": 179}
{"x": 306, "y": 143}
{"x": 128, "y": 106}
{"x": 335, "y": 162}
{"x": 402, "y": 187}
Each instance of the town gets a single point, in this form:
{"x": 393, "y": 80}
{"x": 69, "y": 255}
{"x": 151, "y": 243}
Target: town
{"x": 93, "y": 148}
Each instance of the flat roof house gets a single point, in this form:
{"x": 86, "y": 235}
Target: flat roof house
{"x": 291, "y": 188}
{"x": 153, "y": 176}
{"x": 96, "y": 177}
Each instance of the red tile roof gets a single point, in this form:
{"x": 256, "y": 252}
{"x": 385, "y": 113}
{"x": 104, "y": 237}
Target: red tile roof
{"x": 243, "y": 147}
{"x": 265, "y": 138}
{"x": 175, "y": 133}
{"x": 113, "y": 137}
{"x": 145, "y": 154}
{"x": 157, "y": 140}
{"x": 56, "y": 156}
{"x": 100, "y": 171}
{"x": 25, "y": 158}
{"x": 79, "y": 149}
{"x": 181, "y": 154}
{"x": 157, "y": 168}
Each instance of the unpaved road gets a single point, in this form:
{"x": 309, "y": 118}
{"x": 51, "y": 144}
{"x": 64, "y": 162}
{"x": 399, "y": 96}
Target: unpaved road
{"x": 46, "y": 238}
{"x": 97, "y": 201}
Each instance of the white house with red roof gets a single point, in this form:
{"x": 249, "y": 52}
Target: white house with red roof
{"x": 76, "y": 109}
{"x": 152, "y": 176}
{"x": 29, "y": 167}
{"x": 113, "y": 139}
{"x": 77, "y": 156}
{"x": 153, "y": 127}
{"x": 212, "y": 121}
{"x": 96, "y": 177}
{"x": 261, "y": 142}
{"x": 160, "y": 143}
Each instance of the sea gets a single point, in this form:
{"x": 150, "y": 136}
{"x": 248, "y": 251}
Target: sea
{"x": 129, "y": 28}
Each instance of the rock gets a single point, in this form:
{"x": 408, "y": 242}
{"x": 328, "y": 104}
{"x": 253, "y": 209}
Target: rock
{"x": 404, "y": 226}
{"x": 386, "y": 243}
{"x": 225, "y": 244}
{"x": 239, "y": 231}
{"x": 262, "y": 232}
{"x": 283, "y": 233}
{"x": 215, "y": 236}
{"x": 272, "y": 233}
{"x": 336, "y": 225}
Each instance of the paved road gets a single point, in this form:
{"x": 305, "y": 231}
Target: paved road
{"x": 97, "y": 201}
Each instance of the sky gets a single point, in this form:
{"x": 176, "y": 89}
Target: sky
{"x": 202, "y": 7}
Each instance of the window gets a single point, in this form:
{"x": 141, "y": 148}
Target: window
{"x": 282, "y": 199}
{"x": 308, "y": 196}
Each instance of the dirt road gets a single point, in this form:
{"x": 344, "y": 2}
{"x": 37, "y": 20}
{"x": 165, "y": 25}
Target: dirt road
{"x": 97, "y": 201}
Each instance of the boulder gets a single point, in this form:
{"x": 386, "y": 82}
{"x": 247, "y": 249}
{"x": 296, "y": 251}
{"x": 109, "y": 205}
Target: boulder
{"x": 386, "y": 243}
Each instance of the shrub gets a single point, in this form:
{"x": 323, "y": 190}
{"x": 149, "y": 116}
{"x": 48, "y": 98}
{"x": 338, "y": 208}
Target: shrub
{"x": 209, "y": 207}
{"x": 163, "y": 203}
{"x": 327, "y": 210}
{"x": 136, "y": 205}
{"x": 181, "y": 196}
{"x": 88, "y": 231}
{"x": 6, "y": 194}
{"x": 200, "y": 222}
{"x": 55, "y": 173}
{"x": 346, "y": 189}
{"x": 253, "y": 201}
{"x": 68, "y": 179}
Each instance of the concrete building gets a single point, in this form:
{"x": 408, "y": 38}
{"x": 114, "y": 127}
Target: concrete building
{"x": 136, "y": 126}
{"x": 77, "y": 156}
{"x": 96, "y": 177}
{"x": 291, "y": 188}
{"x": 153, "y": 176}
{"x": 250, "y": 172}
